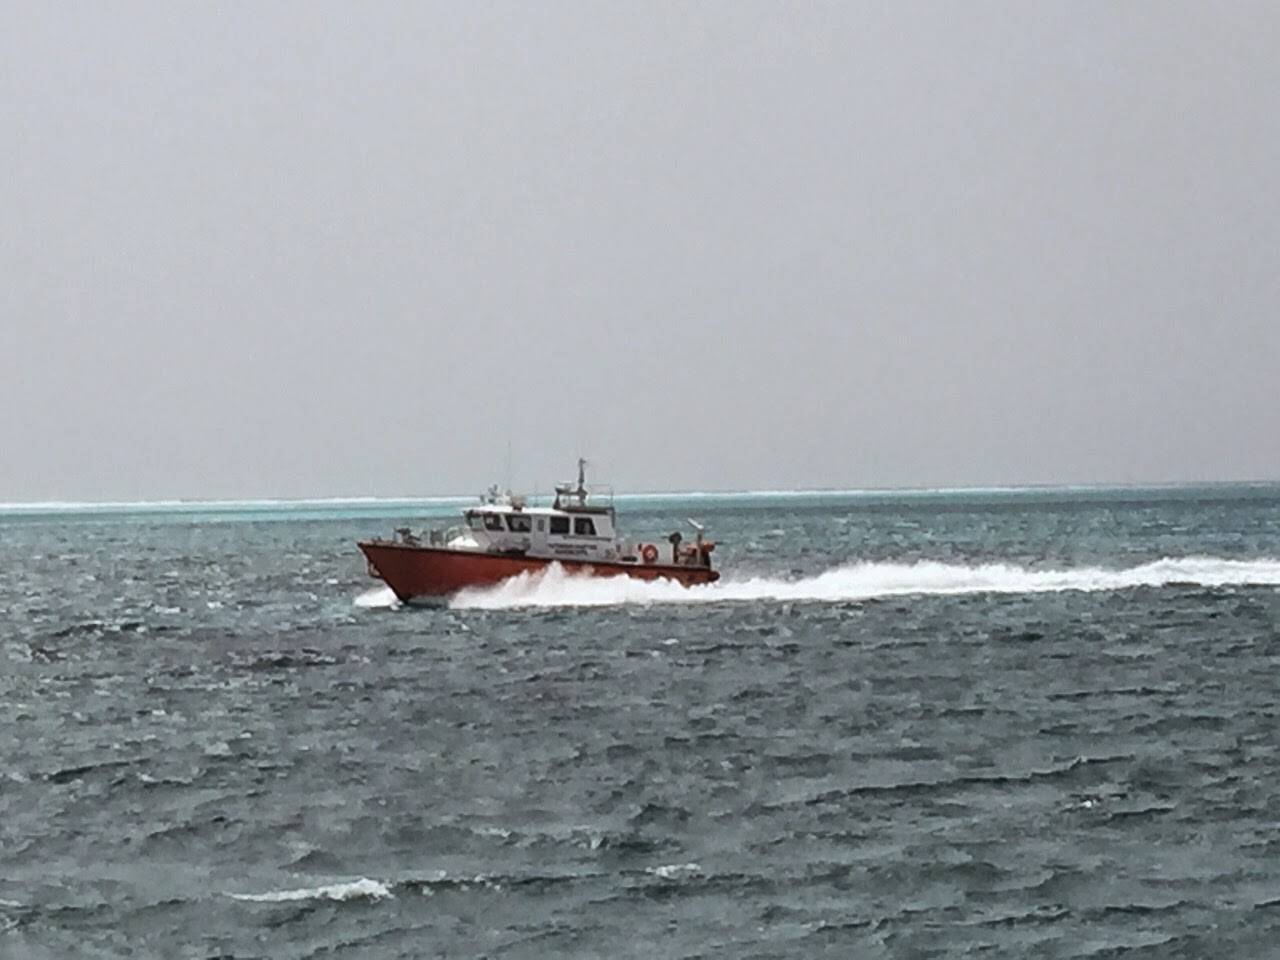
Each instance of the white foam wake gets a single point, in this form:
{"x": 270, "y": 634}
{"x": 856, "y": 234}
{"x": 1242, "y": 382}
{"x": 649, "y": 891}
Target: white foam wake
{"x": 867, "y": 581}
{"x": 364, "y": 887}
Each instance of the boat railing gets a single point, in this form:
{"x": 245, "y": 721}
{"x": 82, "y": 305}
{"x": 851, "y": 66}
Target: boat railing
{"x": 600, "y": 495}
{"x": 434, "y": 536}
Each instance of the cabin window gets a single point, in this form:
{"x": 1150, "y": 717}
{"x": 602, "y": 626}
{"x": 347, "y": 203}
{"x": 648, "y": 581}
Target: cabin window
{"x": 519, "y": 523}
{"x": 542, "y": 524}
{"x": 584, "y": 526}
{"x": 559, "y": 524}
{"x": 492, "y": 521}
{"x": 474, "y": 521}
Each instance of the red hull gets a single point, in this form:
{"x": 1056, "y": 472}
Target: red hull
{"x": 416, "y": 571}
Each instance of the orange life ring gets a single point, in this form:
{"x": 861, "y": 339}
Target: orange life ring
{"x": 649, "y": 553}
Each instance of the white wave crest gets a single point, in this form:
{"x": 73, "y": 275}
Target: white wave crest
{"x": 364, "y": 887}
{"x": 866, "y": 581}
{"x": 674, "y": 871}
{"x": 377, "y": 598}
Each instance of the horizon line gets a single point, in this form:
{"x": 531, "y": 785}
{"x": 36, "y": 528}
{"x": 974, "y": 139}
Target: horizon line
{"x": 231, "y": 503}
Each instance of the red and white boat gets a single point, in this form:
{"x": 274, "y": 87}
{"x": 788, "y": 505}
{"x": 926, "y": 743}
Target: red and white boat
{"x": 504, "y": 537}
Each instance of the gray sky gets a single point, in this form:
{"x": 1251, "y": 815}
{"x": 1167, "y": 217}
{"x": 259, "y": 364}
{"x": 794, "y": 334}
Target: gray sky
{"x": 317, "y": 249}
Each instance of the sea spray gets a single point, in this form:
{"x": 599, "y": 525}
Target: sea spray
{"x": 377, "y": 598}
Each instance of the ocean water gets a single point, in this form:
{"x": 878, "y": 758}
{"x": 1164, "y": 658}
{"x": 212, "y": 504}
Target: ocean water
{"x": 1005, "y": 723}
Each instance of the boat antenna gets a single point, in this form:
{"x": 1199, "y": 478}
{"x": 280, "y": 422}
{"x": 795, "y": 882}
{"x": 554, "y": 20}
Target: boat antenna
{"x": 696, "y": 526}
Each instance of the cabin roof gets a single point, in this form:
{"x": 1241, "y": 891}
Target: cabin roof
{"x": 563, "y": 510}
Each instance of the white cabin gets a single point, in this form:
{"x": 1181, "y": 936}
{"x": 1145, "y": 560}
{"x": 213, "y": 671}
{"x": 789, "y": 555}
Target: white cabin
{"x": 570, "y": 531}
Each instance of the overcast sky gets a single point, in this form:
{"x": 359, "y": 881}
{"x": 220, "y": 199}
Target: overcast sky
{"x": 318, "y": 249}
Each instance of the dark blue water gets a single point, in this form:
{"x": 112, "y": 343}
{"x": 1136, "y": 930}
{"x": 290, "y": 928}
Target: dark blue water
{"x": 921, "y": 725}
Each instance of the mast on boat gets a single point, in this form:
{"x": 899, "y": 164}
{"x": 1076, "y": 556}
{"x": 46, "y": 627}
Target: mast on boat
{"x": 579, "y": 492}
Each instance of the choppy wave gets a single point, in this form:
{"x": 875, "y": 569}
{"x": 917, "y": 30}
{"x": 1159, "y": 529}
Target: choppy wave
{"x": 865, "y": 581}
{"x": 785, "y": 778}
{"x": 364, "y": 887}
